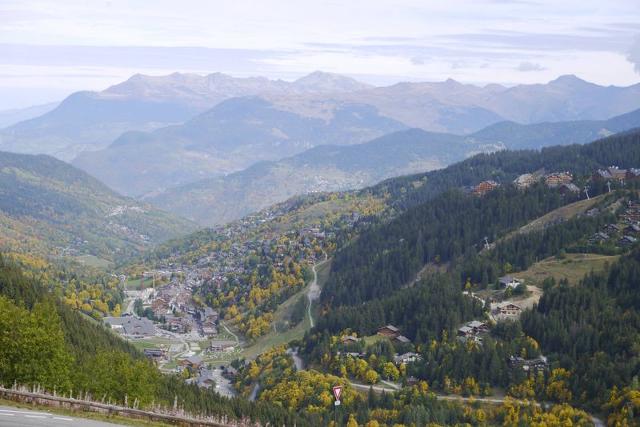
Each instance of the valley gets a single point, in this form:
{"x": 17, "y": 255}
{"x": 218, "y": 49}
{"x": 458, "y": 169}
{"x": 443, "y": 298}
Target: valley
{"x": 232, "y": 249}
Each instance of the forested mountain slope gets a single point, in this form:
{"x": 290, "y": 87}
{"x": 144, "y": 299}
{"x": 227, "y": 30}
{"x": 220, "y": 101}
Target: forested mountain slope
{"x": 339, "y": 168}
{"x": 323, "y": 168}
{"x": 232, "y": 136}
{"x": 457, "y": 236}
{"x": 621, "y": 150}
{"x": 53, "y": 209}
{"x": 386, "y": 257}
{"x": 44, "y": 343}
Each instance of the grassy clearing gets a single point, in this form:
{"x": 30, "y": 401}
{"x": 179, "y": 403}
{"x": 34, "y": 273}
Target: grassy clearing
{"x": 155, "y": 342}
{"x": 93, "y": 261}
{"x": 133, "y": 284}
{"x": 562, "y": 213}
{"x": 573, "y": 268}
{"x": 372, "y": 339}
{"x": 276, "y": 338}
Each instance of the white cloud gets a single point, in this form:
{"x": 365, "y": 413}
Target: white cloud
{"x": 529, "y": 66}
{"x": 382, "y": 41}
{"x": 634, "y": 54}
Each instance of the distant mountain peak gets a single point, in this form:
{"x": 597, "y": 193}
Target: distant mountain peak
{"x": 569, "y": 79}
{"x": 322, "y": 81}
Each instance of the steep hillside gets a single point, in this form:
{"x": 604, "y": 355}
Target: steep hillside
{"x": 421, "y": 233}
{"x": 230, "y": 137}
{"x": 334, "y": 168}
{"x": 516, "y": 136}
{"x": 17, "y": 115}
{"x": 324, "y": 168}
{"x": 89, "y": 121}
{"x": 47, "y": 345}
{"x": 51, "y": 208}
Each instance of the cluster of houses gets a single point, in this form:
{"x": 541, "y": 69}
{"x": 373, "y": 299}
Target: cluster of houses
{"x": 625, "y": 233}
{"x": 614, "y": 173}
{"x": 393, "y": 333}
{"x": 473, "y": 331}
{"x": 563, "y": 181}
{"x": 536, "y": 364}
{"x": 156, "y": 354}
{"x": 219, "y": 346}
{"x": 505, "y": 310}
{"x": 388, "y": 331}
{"x": 484, "y": 187}
{"x": 201, "y": 374}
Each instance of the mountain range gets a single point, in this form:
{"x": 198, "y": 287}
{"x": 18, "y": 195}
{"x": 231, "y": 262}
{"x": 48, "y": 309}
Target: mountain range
{"x": 336, "y": 168}
{"x": 230, "y": 137}
{"x": 88, "y": 121}
{"x": 233, "y": 145}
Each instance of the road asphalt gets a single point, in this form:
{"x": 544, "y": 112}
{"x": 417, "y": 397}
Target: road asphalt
{"x": 21, "y": 417}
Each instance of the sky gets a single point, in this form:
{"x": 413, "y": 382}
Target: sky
{"x": 49, "y": 49}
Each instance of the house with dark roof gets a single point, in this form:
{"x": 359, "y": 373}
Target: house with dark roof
{"x": 509, "y": 282}
{"x": 389, "y": 331}
{"x": 193, "y": 362}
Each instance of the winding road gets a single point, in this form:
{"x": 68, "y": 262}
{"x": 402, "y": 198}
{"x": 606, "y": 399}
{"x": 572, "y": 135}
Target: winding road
{"x": 314, "y": 289}
{"x": 391, "y": 387}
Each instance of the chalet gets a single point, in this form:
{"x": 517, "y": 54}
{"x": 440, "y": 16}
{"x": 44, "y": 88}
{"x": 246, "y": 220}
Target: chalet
{"x": 611, "y": 173}
{"x": 538, "y": 364}
{"x": 478, "y": 326}
{"x": 209, "y": 330}
{"x": 599, "y": 237}
{"x": 526, "y": 180}
{"x": 612, "y": 228}
{"x": 465, "y": 331}
{"x": 192, "y": 362}
{"x": 230, "y": 372}
{"x": 349, "y": 339}
{"x": 206, "y": 379}
{"x": 178, "y": 324}
{"x": 509, "y": 282}
{"x": 219, "y": 346}
{"x": 633, "y": 174}
{"x": 569, "y": 188}
{"x": 472, "y": 329}
{"x": 506, "y": 310}
{"x": 409, "y": 357}
{"x": 132, "y": 326}
{"x": 402, "y": 339}
{"x": 155, "y": 353}
{"x": 389, "y": 331}
{"x": 484, "y": 187}
{"x": 208, "y": 315}
{"x": 627, "y": 240}
{"x": 556, "y": 179}
{"x": 632, "y": 213}
{"x": 632, "y": 229}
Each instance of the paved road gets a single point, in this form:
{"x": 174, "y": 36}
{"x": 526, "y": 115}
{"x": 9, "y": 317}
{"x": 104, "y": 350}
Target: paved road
{"x": 20, "y": 417}
{"x": 391, "y": 387}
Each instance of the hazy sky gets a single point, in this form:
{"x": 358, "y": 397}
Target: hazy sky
{"x": 51, "y": 48}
